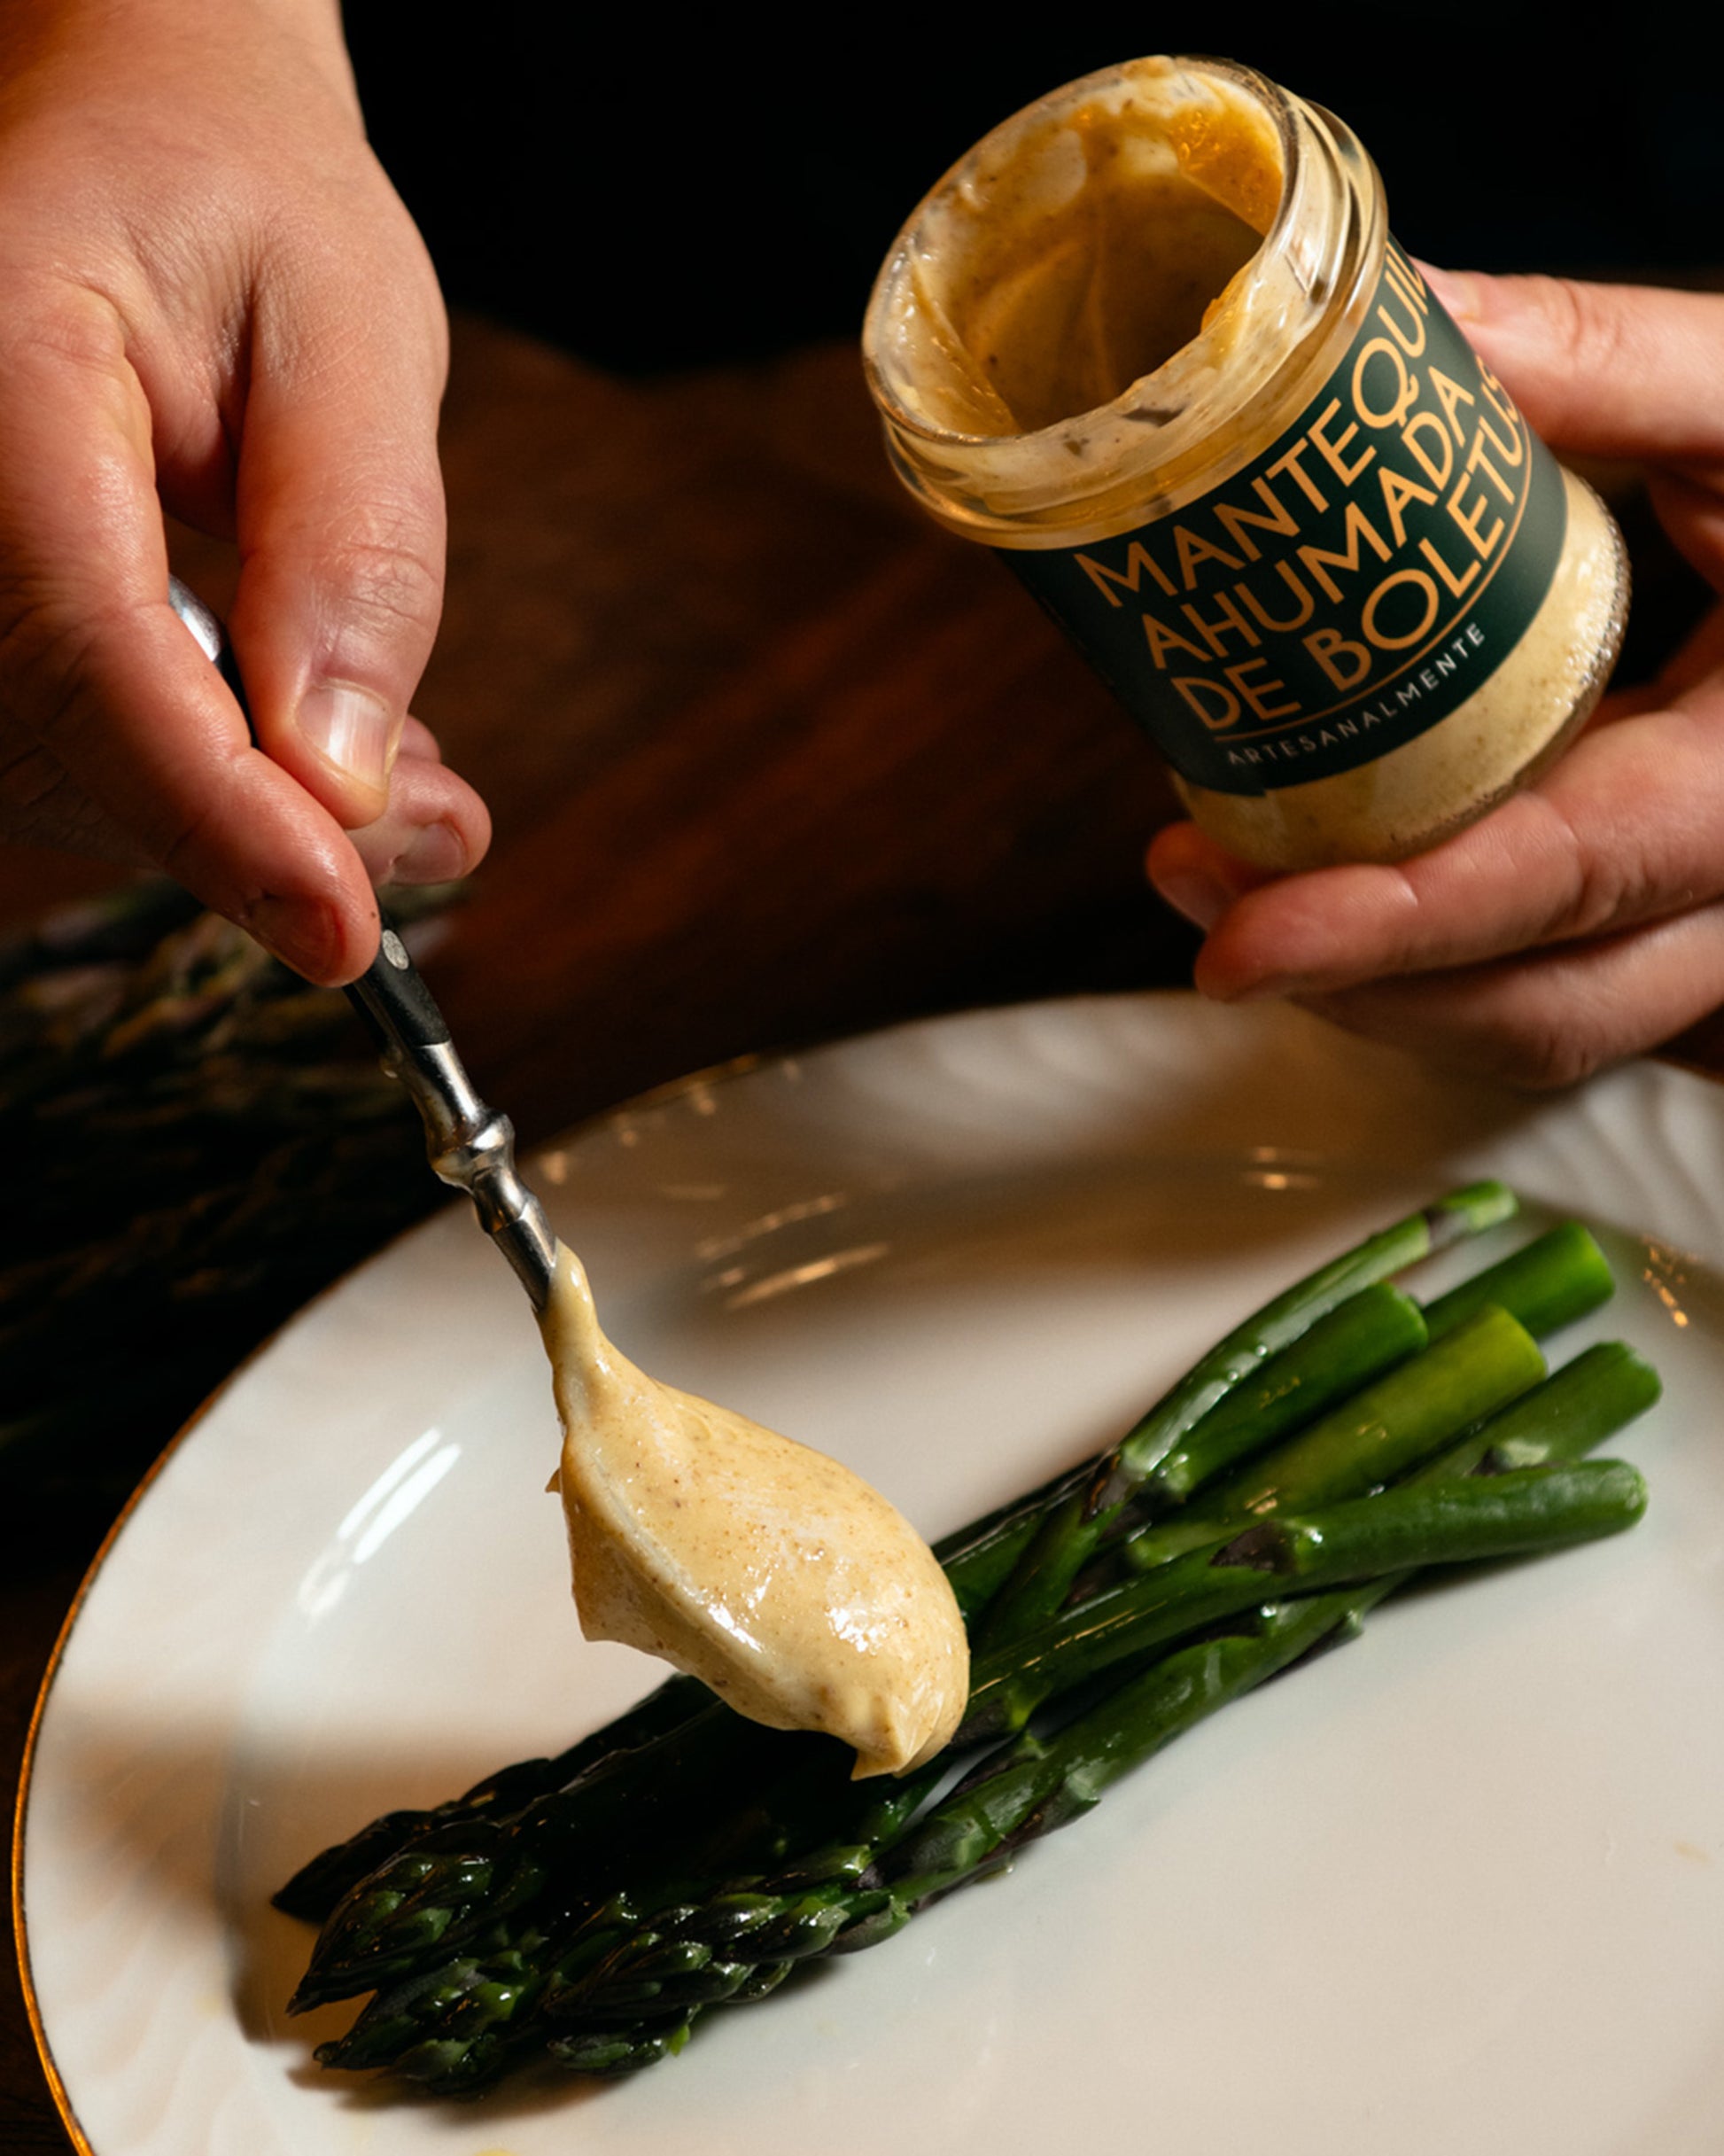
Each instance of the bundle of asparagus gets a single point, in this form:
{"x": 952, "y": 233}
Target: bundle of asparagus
{"x": 209, "y": 1142}
{"x": 590, "y": 1907}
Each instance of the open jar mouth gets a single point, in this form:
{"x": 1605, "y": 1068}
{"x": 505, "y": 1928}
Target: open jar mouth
{"x": 1254, "y": 220}
{"x": 1073, "y": 221}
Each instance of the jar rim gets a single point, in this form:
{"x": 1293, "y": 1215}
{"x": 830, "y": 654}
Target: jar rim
{"x": 1272, "y": 100}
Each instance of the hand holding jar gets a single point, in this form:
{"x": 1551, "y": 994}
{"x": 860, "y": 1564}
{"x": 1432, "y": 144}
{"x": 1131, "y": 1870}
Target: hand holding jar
{"x": 1151, "y": 339}
{"x": 1583, "y": 919}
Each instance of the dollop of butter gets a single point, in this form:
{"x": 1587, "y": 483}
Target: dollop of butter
{"x": 765, "y": 1569}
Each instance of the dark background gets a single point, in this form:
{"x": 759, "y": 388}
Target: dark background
{"x": 681, "y": 192}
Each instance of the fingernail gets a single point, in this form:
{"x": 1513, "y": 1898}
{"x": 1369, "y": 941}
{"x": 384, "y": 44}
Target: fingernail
{"x": 298, "y": 931}
{"x": 437, "y": 854}
{"x": 1458, "y": 291}
{"x": 350, "y": 728}
{"x": 1200, "y": 897}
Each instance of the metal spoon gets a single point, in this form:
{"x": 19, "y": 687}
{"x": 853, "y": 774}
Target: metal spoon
{"x": 470, "y": 1146}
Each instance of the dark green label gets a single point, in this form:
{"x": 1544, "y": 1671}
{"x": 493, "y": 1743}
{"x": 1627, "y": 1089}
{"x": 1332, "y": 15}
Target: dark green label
{"x": 1350, "y": 587}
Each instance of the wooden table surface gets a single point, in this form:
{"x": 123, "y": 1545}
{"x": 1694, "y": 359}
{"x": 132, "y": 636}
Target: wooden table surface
{"x": 771, "y": 760}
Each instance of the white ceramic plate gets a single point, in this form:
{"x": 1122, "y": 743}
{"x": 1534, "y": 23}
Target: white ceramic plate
{"x": 1459, "y": 1887}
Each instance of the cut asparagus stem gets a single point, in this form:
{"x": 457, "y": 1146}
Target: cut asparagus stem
{"x": 1357, "y": 1341}
{"x": 1071, "y": 1531}
{"x": 1447, "y": 1521}
{"x": 1547, "y": 1284}
{"x": 1370, "y": 1440}
{"x": 1601, "y": 1392}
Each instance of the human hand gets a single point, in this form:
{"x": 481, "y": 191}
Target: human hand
{"x": 1583, "y": 919}
{"x": 216, "y": 302}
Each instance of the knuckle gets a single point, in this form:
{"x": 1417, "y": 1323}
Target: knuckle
{"x": 1592, "y": 891}
{"x": 52, "y": 324}
{"x": 44, "y": 660}
{"x": 1583, "y": 323}
{"x": 386, "y": 582}
{"x": 41, "y": 806}
{"x": 185, "y": 855}
{"x": 1544, "y": 1057}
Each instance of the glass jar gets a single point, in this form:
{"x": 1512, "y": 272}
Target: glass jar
{"x": 1151, "y": 340}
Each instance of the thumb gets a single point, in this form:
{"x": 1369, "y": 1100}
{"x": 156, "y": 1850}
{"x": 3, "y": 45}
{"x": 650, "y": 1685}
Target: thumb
{"x": 341, "y": 532}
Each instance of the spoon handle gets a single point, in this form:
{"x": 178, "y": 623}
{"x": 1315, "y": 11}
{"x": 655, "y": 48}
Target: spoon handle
{"x": 470, "y": 1145}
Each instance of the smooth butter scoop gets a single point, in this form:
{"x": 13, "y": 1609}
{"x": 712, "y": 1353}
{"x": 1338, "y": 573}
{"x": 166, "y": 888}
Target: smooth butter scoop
{"x": 766, "y": 1570}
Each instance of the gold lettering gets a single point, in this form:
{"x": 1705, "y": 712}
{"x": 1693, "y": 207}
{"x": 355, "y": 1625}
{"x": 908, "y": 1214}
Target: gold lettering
{"x": 1412, "y": 340}
{"x": 1457, "y": 584}
{"x": 1406, "y": 389}
{"x": 1163, "y": 640}
{"x": 1482, "y": 542}
{"x": 1400, "y": 273}
{"x": 1130, "y": 577}
{"x": 1291, "y": 577}
{"x": 1319, "y": 560}
{"x": 1411, "y": 579}
{"x": 1332, "y": 450}
{"x": 1420, "y": 423}
{"x": 1398, "y": 490}
{"x": 1256, "y": 693}
{"x": 1512, "y": 451}
{"x": 1508, "y": 411}
{"x": 1196, "y": 687}
{"x": 1345, "y": 663}
{"x": 1194, "y": 549}
{"x": 1449, "y": 395}
{"x": 1228, "y": 621}
{"x": 1279, "y": 519}
{"x": 1477, "y": 461}
{"x": 1307, "y": 486}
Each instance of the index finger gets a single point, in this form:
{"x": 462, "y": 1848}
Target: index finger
{"x": 103, "y": 683}
{"x": 1617, "y": 370}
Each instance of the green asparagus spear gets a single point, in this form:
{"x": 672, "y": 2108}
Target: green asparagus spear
{"x": 1357, "y": 1341}
{"x": 1547, "y": 1283}
{"x": 1570, "y": 1414}
{"x": 316, "y": 1888}
{"x": 1071, "y": 1531}
{"x": 1370, "y": 1440}
{"x": 462, "y": 2027}
{"x": 1448, "y": 1522}
{"x": 429, "y": 1897}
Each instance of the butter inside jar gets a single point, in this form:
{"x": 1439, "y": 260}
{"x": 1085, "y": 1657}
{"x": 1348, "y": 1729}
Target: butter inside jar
{"x": 1082, "y": 254}
{"x": 1101, "y": 256}
{"x": 765, "y": 1569}
{"x": 1109, "y": 315}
